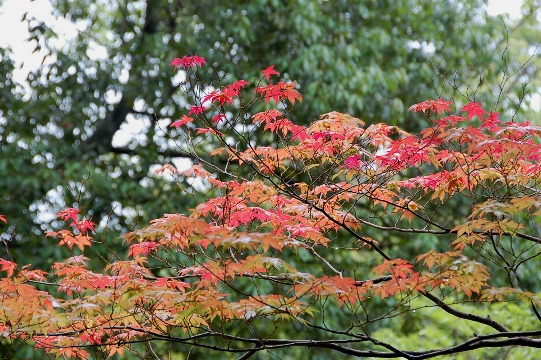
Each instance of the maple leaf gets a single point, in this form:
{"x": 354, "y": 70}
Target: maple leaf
{"x": 270, "y": 92}
{"x": 67, "y": 238}
{"x": 278, "y": 91}
{"x": 176, "y": 62}
{"x": 397, "y": 267}
{"x": 142, "y": 249}
{"x": 281, "y": 124}
{"x": 8, "y": 266}
{"x": 299, "y": 133}
{"x": 84, "y": 226}
{"x": 289, "y": 92}
{"x": 203, "y": 272}
{"x": 223, "y": 97}
{"x": 203, "y": 242}
{"x": 453, "y": 119}
{"x": 270, "y": 71}
{"x": 210, "y": 96}
{"x": 3, "y": 218}
{"x": 218, "y": 118}
{"x": 70, "y": 213}
{"x": 267, "y": 116}
{"x": 116, "y": 349}
{"x": 352, "y": 162}
{"x": 99, "y": 281}
{"x": 200, "y": 131}
{"x": 237, "y": 86}
{"x": 69, "y": 352}
{"x": 79, "y": 260}
{"x": 198, "y": 60}
{"x": 491, "y": 122}
{"x": 172, "y": 283}
{"x": 37, "y": 275}
{"x": 182, "y": 121}
{"x": 91, "y": 337}
{"x": 437, "y": 106}
{"x": 196, "y": 170}
{"x": 196, "y": 110}
{"x": 45, "y": 342}
{"x": 473, "y": 109}
{"x": 167, "y": 167}
{"x": 227, "y": 94}
{"x": 188, "y": 62}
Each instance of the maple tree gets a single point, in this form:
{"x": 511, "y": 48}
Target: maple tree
{"x": 336, "y": 190}
{"x": 68, "y": 116}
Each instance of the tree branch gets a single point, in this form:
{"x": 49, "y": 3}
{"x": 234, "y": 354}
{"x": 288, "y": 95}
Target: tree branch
{"x": 483, "y": 341}
{"x": 463, "y": 315}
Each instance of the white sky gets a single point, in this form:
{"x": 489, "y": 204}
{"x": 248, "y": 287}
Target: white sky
{"x": 13, "y": 32}
{"x": 511, "y": 7}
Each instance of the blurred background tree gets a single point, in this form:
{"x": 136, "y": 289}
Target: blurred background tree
{"x": 61, "y": 133}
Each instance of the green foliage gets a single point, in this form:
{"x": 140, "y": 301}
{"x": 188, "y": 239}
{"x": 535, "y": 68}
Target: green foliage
{"x": 431, "y": 327}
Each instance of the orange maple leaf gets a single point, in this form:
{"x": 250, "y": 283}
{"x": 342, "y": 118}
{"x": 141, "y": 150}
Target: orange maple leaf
{"x": 8, "y": 266}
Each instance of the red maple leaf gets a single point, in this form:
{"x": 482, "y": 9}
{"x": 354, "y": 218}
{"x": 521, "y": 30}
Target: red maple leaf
{"x": 219, "y": 117}
{"x": 188, "y": 62}
{"x": 84, "y": 226}
{"x": 182, "y": 121}
{"x": 8, "y": 266}
{"x": 223, "y": 97}
{"x": 92, "y": 337}
{"x": 320, "y": 135}
{"x": 437, "y": 106}
{"x": 270, "y": 71}
{"x": 142, "y": 248}
{"x": 203, "y": 242}
{"x": 473, "y": 109}
{"x": 227, "y": 94}
{"x": 454, "y": 119}
{"x": 176, "y": 62}
{"x": 491, "y": 122}
{"x": 198, "y": 60}
{"x": 3, "y": 218}
{"x": 270, "y": 92}
{"x": 282, "y": 124}
{"x": 236, "y": 86}
{"x": 70, "y": 213}
{"x": 99, "y": 281}
{"x": 196, "y": 110}
{"x": 352, "y": 162}
{"x": 267, "y": 116}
